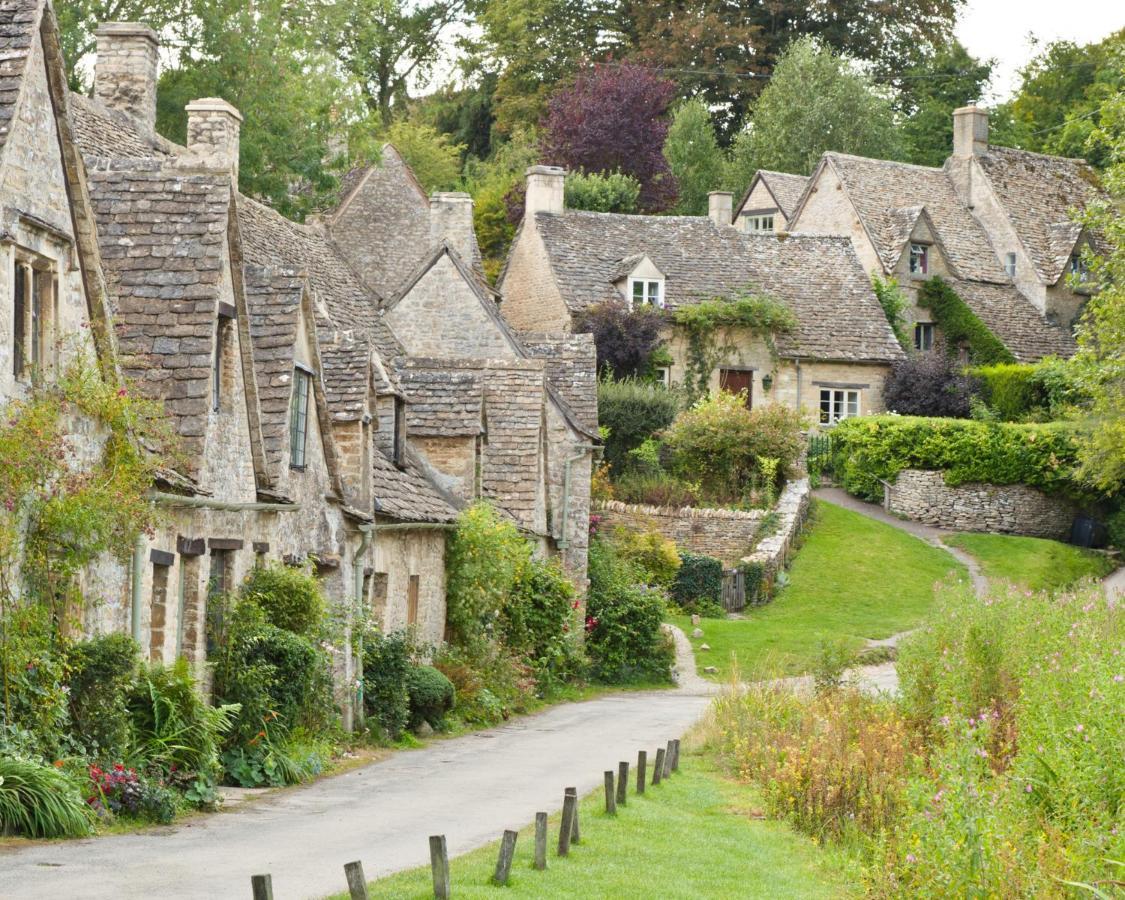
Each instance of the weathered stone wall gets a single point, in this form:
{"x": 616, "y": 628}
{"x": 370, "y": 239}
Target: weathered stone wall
{"x": 532, "y": 301}
{"x": 1011, "y": 508}
{"x": 774, "y": 549}
{"x": 398, "y": 556}
{"x": 723, "y": 533}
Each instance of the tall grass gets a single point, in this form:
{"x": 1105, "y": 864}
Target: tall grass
{"x": 40, "y": 801}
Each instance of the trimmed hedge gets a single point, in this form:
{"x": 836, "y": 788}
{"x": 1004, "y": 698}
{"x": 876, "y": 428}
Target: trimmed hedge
{"x": 699, "y": 578}
{"x": 960, "y": 325}
{"x": 1010, "y": 389}
{"x": 868, "y": 449}
{"x": 633, "y": 411}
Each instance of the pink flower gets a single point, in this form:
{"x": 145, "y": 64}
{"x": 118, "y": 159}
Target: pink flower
{"x": 1079, "y": 727}
{"x": 911, "y": 858}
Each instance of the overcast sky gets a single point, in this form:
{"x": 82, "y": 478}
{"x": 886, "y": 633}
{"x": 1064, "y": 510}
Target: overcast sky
{"x": 1002, "y": 30}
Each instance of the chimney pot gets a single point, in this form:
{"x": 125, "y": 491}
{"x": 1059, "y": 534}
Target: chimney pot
{"x": 125, "y": 70}
{"x": 451, "y": 220}
{"x": 720, "y": 207}
{"x": 970, "y": 131}
{"x": 545, "y": 190}
{"x": 213, "y": 128}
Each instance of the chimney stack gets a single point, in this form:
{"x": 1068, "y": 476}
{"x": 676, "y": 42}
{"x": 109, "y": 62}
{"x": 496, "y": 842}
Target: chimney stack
{"x": 544, "y": 190}
{"x": 970, "y": 131}
{"x": 213, "y": 128}
{"x": 125, "y": 70}
{"x": 451, "y": 220}
{"x": 720, "y": 207}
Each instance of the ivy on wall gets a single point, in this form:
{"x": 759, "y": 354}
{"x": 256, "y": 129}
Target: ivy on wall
{"x": 960, "y": 325}
{"x": 895, "y": 303}
{"x": 709, "y": 328}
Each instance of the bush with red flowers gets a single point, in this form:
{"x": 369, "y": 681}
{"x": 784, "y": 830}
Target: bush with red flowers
{"x": 120, "y": 791}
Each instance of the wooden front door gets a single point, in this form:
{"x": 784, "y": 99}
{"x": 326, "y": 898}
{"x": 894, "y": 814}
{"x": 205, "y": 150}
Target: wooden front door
{"x": 735, "y": 381}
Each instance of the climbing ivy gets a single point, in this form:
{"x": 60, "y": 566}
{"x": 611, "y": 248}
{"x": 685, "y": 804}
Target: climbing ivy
{"x": 894, "y": 303}
{"x": 709, "y": 329}
{"x": 960, "y": 325}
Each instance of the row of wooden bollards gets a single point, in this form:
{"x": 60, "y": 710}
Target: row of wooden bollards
{"x": 666, "y": 762}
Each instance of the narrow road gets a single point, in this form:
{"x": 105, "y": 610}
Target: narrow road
{"x": 469, "y": 788}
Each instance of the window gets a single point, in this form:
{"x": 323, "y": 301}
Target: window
{"x": 1010, "y": 264}
{"x": 919, "y": 259}
{"x": 646, "y": 292}
{"x": 34, "y": 289}
{"x": 664, "y": 374}
{"x": 1078, "y": 267}
{"x": 412, "y": 600}
{"x": 759, "y": 223}
{"x": 399, "y": 449}
{"x": 924, "y": 336}
{"x": 837, "y": 404}
{"x": 299, "y": 418}
{"x": 738, "y": 381}
{"x": 159, "y": 611}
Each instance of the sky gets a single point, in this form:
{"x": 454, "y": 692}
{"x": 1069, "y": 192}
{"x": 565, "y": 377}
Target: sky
{"x": 1003, "y": 30}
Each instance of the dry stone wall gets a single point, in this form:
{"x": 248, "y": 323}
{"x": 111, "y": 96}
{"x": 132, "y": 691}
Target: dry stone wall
{"x": 1011, "y": 508}
{"x": 725, "y": 534}
{"x": 774, "y": 549}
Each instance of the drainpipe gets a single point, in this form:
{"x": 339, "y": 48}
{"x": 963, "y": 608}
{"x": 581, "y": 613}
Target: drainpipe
{"x": 366, "y": 533}
{"x": 564, "y": 541}
{"x": 138, "y": 579}
{"x": 797, "y": 404}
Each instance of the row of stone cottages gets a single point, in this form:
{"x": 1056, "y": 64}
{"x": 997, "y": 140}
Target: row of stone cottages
{"x": 340, "y": 389}
{"x": 995, "y": 223}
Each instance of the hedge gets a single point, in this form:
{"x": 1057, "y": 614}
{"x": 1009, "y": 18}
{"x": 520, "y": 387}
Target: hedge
{"x": 1010, "y": 389}
{"x": 632, "y": 410}
{"x": 699, "y": 578}
{"x": 868, "y": 449}
{"x": 960, "y": 325}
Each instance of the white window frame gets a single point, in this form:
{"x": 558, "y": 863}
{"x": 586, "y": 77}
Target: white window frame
{"x": 842, "y": 403}
{"x": 922, "y": 330}
{"x": 919, "y": 259}
{"x": 664, "y": 373}
{"x": 759, "y": 222}
{"x": 1010, "y": 264}
{"x": 1077, "y": 266}
{"x": 651, "y": 292}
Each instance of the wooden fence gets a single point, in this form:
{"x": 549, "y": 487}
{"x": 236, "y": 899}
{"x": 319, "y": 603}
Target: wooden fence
{"x": 734, "y": 591}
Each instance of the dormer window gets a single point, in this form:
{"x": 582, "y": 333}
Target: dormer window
{"x": 1078, "y": 267}
{"x": 646, "y": 292}
{"x": 919, "y": 259}
{"x": 1010, "y": 264}
{"x": 299, "y": 417}
{"x": 761, "y": 222}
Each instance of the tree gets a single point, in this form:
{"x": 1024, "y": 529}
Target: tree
{"x": 694, "y": 157}
{"x": 928, "y": 384}
{"x": 609, "y": 192}
{"x": 466, "y": 114}
{"x": 612, "y": 119}
{"x": 930, "y": 92}
{"x": 817, "y": 101}
{"x": 625, "y": 339}
{"x": 434, "y": 159}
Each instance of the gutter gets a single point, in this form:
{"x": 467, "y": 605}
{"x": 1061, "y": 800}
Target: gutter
{"x": 162, "y": 498}
{"x": 563, "y": 542}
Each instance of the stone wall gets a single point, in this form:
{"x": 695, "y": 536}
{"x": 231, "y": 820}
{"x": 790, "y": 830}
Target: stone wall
{"x": 773, "y": 550}
{"x": 1011, "y": 508}
{"x": 723, "y": 533}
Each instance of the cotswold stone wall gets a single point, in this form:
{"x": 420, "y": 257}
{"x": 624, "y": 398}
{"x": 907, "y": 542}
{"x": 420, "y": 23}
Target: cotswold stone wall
{"x": 723, "y": 533}
{"x": 773, "y": 550}
{"x": 1012, "y": 508}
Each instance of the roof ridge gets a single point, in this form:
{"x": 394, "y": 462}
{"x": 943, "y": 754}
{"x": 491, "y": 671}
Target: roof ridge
{"x": 835, "y": 154}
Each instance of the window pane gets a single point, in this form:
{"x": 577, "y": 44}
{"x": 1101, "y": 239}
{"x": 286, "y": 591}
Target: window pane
{"x": 853, "y": 403}
{"x": 825, "y": 406}
{"x": 298, "y": 418}
{"x": 639, "y": 291}
{"x": 19, "y": 325}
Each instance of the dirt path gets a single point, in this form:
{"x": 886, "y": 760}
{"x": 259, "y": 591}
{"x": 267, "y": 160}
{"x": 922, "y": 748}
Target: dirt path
{"x": 469, "y": 788}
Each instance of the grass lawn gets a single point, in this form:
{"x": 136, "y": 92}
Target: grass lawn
{"x": 695, "y": 835}
{"x": 1034, "y": 563}
{"x": 853, "y": 579}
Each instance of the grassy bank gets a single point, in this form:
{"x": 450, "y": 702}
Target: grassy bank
{"x": 852, "y": 579}
{"x": 696, "y": 835}
{"x": 1033, "y": 563}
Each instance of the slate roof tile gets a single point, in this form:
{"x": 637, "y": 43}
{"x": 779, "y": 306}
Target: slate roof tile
{"x": 1011, "y": 317}
{"x": 571, "y": 361}
{"x": 18, "y": 21}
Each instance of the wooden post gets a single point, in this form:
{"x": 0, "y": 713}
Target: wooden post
{"x": 504, "y": 863}
{"x": 668, "y": 758}
{"x": 439, "y": 866}
{"x": 575, "y": 831}
{"x": 610, "y": 796}
{"x": 658, "y": 767}
{"x": 622, "y": 783}
{"x": 540, "y": 841}
{"x": 357, "y": 884}
{"x": 570, "y": 804}
{"x": 676, "y": 755}
{"x": 262, "y": 886}
{"x": 642, "y": 759}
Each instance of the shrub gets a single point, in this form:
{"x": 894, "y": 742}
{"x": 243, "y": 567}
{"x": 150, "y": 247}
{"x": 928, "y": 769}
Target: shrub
{"x": 625, "y": 340}
{"x": 431, "y": 696}
{"x": 535, "y": 623}
{"x": 33, "y": 665}
{"x": 656, "y": 490}
{"x": 895, "y": 303}
{"x": 40, "y": 801}
{"x": 290, "y": 597}
{"x": 490, "y": 683}
{"x": 275, "y": 758}
{"x": 624, "y": 638}
{"x": 698, "y": 586}
{"x": 654, "y": 558}
{"x": 602, "y": 192}
{"x": 633, "y": 411}
{"x": 928, "y": 384}
{"x": 1021, "y": 392}
{"x": 721, "y": 444}
{"x": 386, "y": 697}
{"x": 120, "y": 791}
{"x": 960, "y": 326}
{"x": 868, "y": 449}
{"x": 103, "y": 671}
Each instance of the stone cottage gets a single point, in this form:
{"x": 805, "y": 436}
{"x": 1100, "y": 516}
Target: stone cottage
{"x": 834, "y": 362}
{"x": 769, "y": 201}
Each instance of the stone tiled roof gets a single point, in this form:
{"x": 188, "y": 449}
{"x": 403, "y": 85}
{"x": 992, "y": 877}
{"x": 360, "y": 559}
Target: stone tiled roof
{"x": 1011, "y": 317}
{"x": 441, "y": 402}
{"x": 407, "y": 494}
{"x": 882, "y": 190}
{"x": 1039, "y": 193}
{"x": 571, "y": 370}
{"x": 18, "y": 19}
{"x": 162, "y": 235}
{"x": 513, "y": 396}
{"x": 105, "y": 132}
{"x": 273, "y": 297}
{"x": 786, "y": 189}
{"x": 347, "y": 361}
{"x": 818, "y": 278}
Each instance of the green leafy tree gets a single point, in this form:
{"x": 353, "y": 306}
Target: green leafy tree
{"x": 435, "y": 160}
{"x": 602, "y": 192}
{"x": 815, "y": 102}
{"x": 694, "y": 156}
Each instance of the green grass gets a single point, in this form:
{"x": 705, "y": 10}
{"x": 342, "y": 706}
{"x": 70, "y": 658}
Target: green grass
{"x": 1034, "y": 563}
{"x": 695, "y": 835}
{"x": 853, "y": 579}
